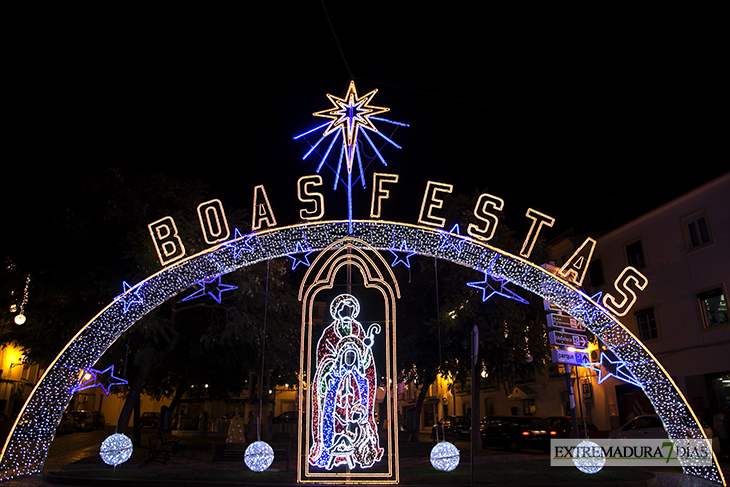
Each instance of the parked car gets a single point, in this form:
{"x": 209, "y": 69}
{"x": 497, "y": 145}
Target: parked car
{"x": 651, "y": 426}
{"x": 149, "y": 419}
{"x": 451, "y": 428}
{"x": 98, "y": 419}
{"x": 83, "y": 421}
{"x": 514, "y": 433}
{"x": 562, "y": 427}
{"x": 645, "y": 426}
{"x": 288, "y": 417}
{"x": 67, "y": 424}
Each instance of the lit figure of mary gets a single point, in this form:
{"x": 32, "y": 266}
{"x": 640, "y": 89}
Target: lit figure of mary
{"x": 343, "y": 395}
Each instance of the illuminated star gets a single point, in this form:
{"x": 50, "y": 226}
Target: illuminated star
{"x": 492, "y": 285}
{"x": 128, "y": 301}
{"x": 455, "y": 243}
{"x": 213, "y": 287}
{"x": 237, "y": 246}
{"x": 399, "y": 258}
{"x": 348, "y": 115}
{"x": 296, "y": 260}
{"x": 104, "y": 379}
{"x": 610, "y": 366}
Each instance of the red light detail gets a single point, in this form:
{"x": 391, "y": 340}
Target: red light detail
{"x": 525, "y": 433}
{"x": 553, "y": 433}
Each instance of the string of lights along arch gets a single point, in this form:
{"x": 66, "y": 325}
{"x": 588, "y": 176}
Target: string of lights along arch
{"x": 501, "y": 272}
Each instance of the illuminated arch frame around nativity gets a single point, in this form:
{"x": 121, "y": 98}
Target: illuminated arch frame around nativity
{"x": 27, "y": 446}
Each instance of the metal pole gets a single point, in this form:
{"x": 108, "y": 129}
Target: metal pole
{"x": 571, "y": 397}
{"x": 475, "y": 434}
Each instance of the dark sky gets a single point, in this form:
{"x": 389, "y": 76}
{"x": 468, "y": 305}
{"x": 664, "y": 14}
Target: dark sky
{"x": 592, "y": 117}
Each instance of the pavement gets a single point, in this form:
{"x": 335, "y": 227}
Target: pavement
{"x": 69, "y": 451}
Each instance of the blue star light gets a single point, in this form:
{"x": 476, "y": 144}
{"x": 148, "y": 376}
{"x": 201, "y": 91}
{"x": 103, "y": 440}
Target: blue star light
{"x": 296, "y": 260}
{"x": 212, "y": 287}
{"x": 237, "y": 246}
{"x": 350, "y": 117}
{"x": 492, "y": 285}
{"x": 128, "y": 301}
{"x": 402, "y": 255}
{"x": 450, "y": 242}
{"x": 104, "y": 379}
{"x": 610, "y": 366}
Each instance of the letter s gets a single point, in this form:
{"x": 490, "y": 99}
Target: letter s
{"x": 629, "y": 281}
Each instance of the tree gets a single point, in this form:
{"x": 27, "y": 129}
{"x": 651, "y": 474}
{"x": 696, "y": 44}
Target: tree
{"x": 99, "y": 239}
{"x": 434, "y": 331}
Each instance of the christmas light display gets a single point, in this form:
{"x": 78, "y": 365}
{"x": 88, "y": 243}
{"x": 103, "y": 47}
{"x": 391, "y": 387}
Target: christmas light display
{"x": 351, "y": 117}
{"x": 258, "y": 456}
{"x": 445, "y": 456}
{"x": 96, "y": 378}
{"x": 212, "y": 287}
{"x": 343, "y": 399}
{"x": 589, "y": 457}
{"x": 116, "y": 449}
{"x": 608, "y": 367}
{"x": 27, "y": 445}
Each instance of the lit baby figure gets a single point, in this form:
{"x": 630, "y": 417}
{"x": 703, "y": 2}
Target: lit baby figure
{"x": 343, "y": 395}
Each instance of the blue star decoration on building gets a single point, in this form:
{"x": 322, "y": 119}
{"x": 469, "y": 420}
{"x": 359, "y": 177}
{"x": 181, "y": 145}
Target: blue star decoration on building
{"x": 610, "y": 366}
{"x": 129, "y": 299}
{"x": 212, "y": 287}
{"x": 491, "y": 286}
{"x": 99, "y": 378}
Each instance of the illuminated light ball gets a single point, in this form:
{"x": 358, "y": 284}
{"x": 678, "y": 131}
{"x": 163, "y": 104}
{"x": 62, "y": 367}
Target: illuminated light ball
{"x": 445, "y": 456}
{"x": 116, "y": 449}
{"x": 20, "y": 319}
{"x": 259, "y": 456}
{"x": 589, "y": 457}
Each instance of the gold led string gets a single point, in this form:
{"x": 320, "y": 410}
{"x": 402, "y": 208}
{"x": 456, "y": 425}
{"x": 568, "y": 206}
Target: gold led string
{"x": 27, "y": 444}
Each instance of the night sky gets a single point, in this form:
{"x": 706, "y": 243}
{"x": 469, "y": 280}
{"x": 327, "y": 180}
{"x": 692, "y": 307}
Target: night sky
{"x": 592, "y": 117}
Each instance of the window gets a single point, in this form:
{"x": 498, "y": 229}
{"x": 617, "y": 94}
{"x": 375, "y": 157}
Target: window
{"x": 697, "y": 230}
{"x": 713, "y": 307}
{"x": 635, "y": 255}
{"x": 646, "y": 324}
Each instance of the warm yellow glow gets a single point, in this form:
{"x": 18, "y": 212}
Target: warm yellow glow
{"x": 262, "y": 211}
{"x": 168, "y": 245}
{"x": 213, "y": 221}
{"x": 575, "y": 268}
{"x": 538, "y": 221}
{"x": 432, "y": 202}
{"x": 305, "y": 195}
{"x": 629, "y": 278}
{"x": 380, "y": 193}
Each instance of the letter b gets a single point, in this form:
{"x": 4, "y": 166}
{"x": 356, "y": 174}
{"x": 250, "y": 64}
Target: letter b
{"x": 167, "y": 243}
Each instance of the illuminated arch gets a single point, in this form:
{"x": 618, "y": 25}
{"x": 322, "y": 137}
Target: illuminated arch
{"x": 27, "y": 445}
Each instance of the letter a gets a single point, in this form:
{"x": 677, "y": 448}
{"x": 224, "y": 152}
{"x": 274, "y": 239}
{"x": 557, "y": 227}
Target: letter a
{"x": 167, "y": 243}
{"x": 575, "y": 268}
{"x": 261, "y": 211}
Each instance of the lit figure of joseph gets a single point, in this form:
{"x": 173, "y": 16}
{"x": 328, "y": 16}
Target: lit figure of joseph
{"x": 343, "y": 394}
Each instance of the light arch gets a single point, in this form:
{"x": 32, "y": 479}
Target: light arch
{"x": 27, "y": 445}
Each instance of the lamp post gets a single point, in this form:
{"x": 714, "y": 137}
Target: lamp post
{"x": 475, "y": 436}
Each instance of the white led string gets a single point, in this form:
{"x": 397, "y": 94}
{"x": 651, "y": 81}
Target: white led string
{"x": 27, "y": 445}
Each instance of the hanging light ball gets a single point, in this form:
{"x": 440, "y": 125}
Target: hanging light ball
{"x": 259, "y": 456}
{"x": 116, "y": 449}
{"x": 445, "y": 456}
{"x": 20, "y": 319}
{"x": 589, "y": 457}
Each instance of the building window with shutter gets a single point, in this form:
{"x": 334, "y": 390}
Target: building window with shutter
{"x": 697, "y": 233}
{"x": 635, "y": 255}
{"x": 646, "y": 323}
{"x": 713, "y": 307}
